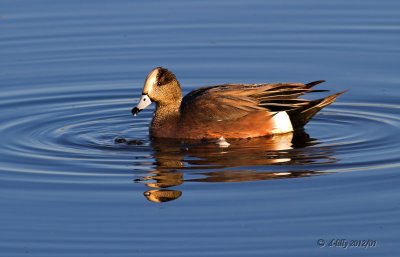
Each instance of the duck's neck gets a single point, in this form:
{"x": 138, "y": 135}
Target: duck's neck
{"x": 165, "y": 119}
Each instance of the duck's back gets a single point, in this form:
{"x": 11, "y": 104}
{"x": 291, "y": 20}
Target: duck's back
{"x": 248, "y": 110}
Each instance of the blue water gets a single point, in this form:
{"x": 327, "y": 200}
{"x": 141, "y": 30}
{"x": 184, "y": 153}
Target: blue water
{"x": 79, "y": 175}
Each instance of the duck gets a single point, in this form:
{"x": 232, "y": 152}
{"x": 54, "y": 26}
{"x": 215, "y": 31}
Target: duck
{"x": 227, "y": 110}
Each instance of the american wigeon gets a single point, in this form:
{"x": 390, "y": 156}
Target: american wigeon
{"x": 229, "y": 110}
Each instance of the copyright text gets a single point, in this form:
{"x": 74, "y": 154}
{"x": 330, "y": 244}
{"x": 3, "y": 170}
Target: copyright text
{"x": 347, "y": 243}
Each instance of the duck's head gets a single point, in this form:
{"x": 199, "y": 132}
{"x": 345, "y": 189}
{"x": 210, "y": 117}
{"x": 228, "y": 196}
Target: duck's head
{"x": 161, "y": 87}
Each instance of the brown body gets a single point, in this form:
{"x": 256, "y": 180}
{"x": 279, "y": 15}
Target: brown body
{"x": 186, "y": 126}
{"x": 230, "y": 110}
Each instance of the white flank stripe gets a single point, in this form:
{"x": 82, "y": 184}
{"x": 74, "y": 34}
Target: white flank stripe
{"x": 282, "y": 123}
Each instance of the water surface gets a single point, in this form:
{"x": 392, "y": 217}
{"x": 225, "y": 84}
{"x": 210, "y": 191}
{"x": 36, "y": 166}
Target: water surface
{"x": 79, "y": 175}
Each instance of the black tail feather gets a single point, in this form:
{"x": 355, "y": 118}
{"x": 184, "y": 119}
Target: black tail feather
{"x": 299, "y": 117}
{"x": 314, "y": 83}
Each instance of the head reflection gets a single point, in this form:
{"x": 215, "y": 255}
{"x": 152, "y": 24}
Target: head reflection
{"x": 252, "y": 159}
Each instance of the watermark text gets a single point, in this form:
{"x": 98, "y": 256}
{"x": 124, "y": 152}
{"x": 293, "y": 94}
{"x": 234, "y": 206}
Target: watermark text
{"x": 347, "y": 243}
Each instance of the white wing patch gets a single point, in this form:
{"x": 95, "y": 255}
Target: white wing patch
{"x": 282, "y": 123}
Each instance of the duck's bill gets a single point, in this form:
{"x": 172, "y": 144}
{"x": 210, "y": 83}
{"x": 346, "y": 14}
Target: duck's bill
{"x": 143, "y": 103}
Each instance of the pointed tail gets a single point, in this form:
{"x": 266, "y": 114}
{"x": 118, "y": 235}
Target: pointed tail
{"x": 300, "y": 117}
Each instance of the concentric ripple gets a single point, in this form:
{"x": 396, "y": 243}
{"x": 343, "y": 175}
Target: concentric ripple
{"x": 79, "y": 175}
{"x": 59, "y": 130}
{"x": 89, "y": 131}
{"x": 364, "y": 135}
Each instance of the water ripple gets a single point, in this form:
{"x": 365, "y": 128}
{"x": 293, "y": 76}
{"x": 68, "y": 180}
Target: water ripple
{"x": 91, "y": 128}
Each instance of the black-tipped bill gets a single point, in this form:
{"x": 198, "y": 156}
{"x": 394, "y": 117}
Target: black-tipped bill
{"x": 135, "y": 111}
{"x": 143, "y": 103}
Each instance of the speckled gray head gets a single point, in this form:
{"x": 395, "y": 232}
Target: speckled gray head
{"x": 160, "y": 86}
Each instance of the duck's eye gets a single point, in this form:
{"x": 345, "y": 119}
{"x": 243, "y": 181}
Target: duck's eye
{"x": 158, "y": 83}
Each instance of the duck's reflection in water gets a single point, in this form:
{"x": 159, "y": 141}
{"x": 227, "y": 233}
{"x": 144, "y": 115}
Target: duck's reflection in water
{"x": 266, "y": 158}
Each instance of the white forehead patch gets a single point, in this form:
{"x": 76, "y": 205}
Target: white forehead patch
{"x": 150, "y": 81}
